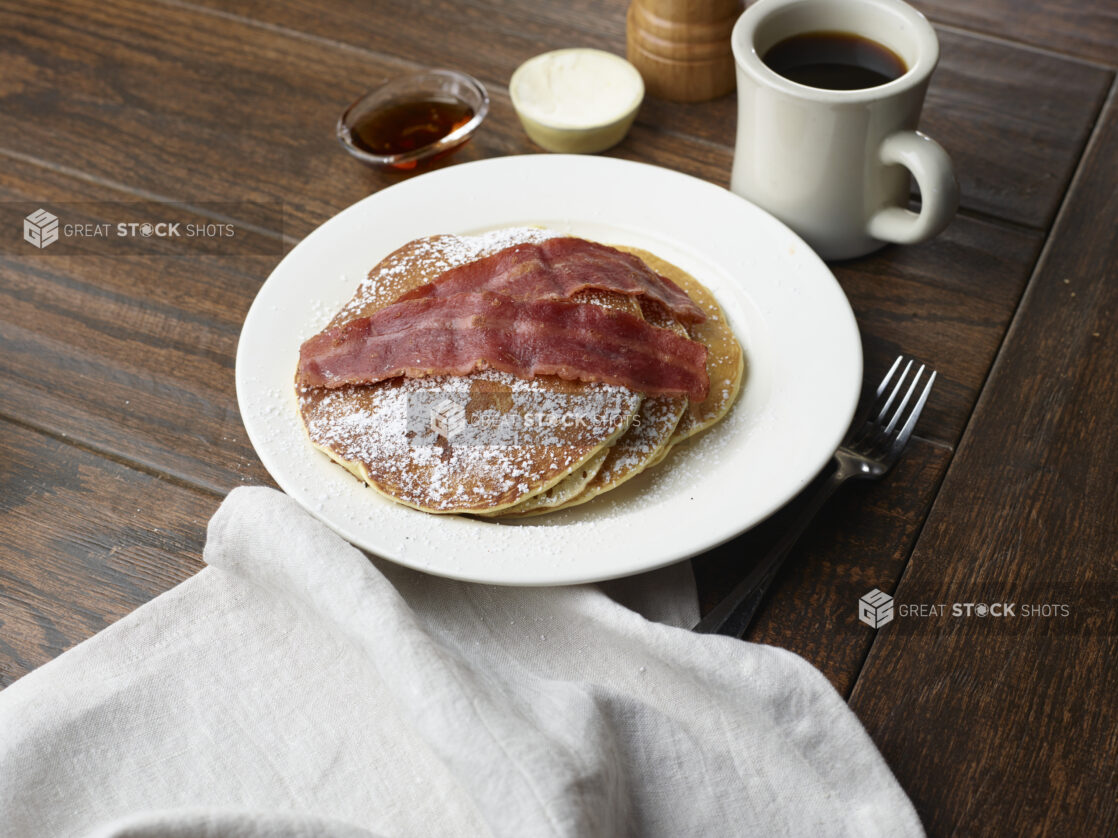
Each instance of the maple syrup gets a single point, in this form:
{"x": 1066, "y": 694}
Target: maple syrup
{"x": 406, "y": 126}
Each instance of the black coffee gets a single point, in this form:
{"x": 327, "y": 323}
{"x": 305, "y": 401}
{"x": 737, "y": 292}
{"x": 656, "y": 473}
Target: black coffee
{"x": 834, "y": 61}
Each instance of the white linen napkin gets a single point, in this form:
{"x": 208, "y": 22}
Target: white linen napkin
{"x": 296, "y": 688}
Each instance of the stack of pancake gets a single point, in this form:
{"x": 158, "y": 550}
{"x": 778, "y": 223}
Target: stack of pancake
{"x": 493, "y": 443}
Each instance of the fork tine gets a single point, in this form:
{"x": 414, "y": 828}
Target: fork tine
{"x": 904, "y": 402}
{"x": 910, "y": 423}
{"x": 869, "y": 421}
{"x": 885, "y": 381}
{"x": 892, "y": 395}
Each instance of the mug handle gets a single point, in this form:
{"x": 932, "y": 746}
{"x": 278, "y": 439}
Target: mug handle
{"x": 939, "y": 191}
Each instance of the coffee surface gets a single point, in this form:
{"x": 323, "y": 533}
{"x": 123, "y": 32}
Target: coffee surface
{"x": 834, "y": 61}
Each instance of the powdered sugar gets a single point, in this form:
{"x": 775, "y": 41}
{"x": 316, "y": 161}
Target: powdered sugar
{"x": 504, "y": 450}
{"x": 649, "y": 432}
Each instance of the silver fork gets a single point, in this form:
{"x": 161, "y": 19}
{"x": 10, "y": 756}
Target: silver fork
{"x": 872, "y": 445}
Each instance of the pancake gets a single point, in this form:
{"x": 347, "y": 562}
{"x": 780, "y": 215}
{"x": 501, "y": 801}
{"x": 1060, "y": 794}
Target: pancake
{"x": 505, "y": 439}
{"x": 663, "y": 422}
{"x": 725, "y": 359}
{"x": 565, "y": 490}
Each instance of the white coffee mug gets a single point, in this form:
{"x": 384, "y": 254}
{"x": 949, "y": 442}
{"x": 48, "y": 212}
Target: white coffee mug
{"x": 834, "y": 164}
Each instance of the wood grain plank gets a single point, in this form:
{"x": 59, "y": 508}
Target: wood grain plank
{"x": 200, "y": 107}
{"x": 860, "y": 541}
{"x": 864, "y": 538}
{"x": 947, "y": 302}
{"x": 255, "y": 104}
{"x": 83, "y": 541}
{"x": 1009, "y": 728}
{"x": 1015, "y": 123}
{"x": 1014, "y": 120}
{"x": 1086, "y": 30}
{"x": 131, "y": 355}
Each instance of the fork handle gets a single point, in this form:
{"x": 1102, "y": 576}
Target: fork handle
{"x": 733, "y": 615}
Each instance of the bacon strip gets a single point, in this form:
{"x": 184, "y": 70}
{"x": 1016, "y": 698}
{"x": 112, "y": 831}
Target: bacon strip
{"x": 557, "y": 269}
{"x": 460, "y": 334}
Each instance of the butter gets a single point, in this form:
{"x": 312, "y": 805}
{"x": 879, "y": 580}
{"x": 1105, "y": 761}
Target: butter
{"x": 576, "y": 88}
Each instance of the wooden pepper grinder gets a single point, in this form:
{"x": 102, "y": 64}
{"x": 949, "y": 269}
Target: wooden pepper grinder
{"x": 682, "y": 47}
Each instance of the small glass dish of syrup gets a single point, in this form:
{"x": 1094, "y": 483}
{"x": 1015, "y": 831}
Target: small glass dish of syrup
{"x": 413, "y": 120}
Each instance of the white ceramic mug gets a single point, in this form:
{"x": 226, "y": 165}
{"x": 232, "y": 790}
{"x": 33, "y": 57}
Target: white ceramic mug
{"x": 834, "y": 164}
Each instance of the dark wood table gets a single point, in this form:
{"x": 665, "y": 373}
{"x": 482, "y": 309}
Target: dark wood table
{"x": 120, "y": 431}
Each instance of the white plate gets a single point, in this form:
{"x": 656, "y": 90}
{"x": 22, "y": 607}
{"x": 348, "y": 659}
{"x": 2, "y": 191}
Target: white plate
{"x": 800, "y": 338}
